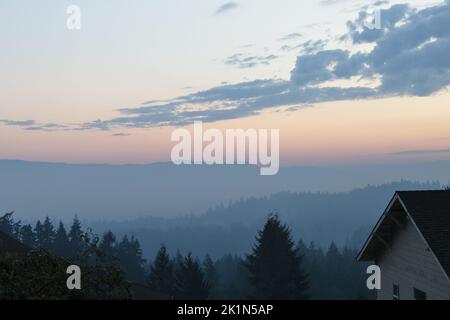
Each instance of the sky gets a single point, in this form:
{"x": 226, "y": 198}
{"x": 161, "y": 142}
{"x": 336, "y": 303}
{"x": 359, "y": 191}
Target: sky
{"x": 113, "y": 91}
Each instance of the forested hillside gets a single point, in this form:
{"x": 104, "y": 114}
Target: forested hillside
{"x": 345, "y": 218}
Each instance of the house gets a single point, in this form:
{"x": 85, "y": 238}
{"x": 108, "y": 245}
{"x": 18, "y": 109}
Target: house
{"x": 10, "y": 245}
{"x": 411, "y": 245}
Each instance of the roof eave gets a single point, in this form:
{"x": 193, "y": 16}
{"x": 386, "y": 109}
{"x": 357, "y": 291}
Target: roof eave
{"x": 375, "y": 229}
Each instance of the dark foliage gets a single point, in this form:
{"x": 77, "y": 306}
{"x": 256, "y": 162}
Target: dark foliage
{"x": 161, "y": 277}
{"x": 74, "y": 244}
{"x": 40, "y": 275}
{"x": 190, "y": 280}
{"x": 335, "y": 274}
{"x": 107, "y": 262}
{"x": 275, "y": 266}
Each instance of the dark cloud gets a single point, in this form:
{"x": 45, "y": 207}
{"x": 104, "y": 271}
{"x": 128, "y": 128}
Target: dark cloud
{"x": 286, "y": 48}
{"x": 418, "y": 152}
{"x": 32, "y": 125}
{"x": 227, "y": 7}
{"x": 244, "y": 61}
{"x": 359, "y": 33}
{"x": 311, "y": 46}
{"x": 18, "y": 123}
{"x": 414, "y": 58}
{"x": 325, "y": 66}
{"x": 46, "y": 127}
{"x": 291, "y": 36}
{"x": 307, "y": 47}
{"x": 230, "y": 102}
{"x": 409, "y": 56}
{"x": 380, "y": 2}
{"x": 120, "y": 134}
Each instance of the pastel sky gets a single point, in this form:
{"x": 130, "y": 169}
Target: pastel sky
{"x": 114, "y": 91}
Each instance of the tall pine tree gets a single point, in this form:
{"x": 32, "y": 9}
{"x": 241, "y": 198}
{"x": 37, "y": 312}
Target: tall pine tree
{"x": 131, "y": 260}
{"x": 76, "y": 240}
{"x": 48, "y": 235}
{"x": 190, "y": 280}
{"x": 27, "y": 236}
{"x": 161, "y": 277}
{"x": 8, "y": 226}
{"x": 211, "y": 275}
{"x": 108, "y": 247}
{"x": 61, "y": 245}
{"x": 39, "y": 234}
{"x": 275, "y": 265}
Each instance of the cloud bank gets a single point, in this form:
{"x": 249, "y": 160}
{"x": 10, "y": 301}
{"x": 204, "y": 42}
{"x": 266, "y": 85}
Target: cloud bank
{"x": 226, "y": 7}
{"x": 409, "y": 56}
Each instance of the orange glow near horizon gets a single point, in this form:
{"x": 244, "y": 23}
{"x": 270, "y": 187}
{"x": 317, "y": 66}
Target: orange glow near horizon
{"x": 337, "y": 132}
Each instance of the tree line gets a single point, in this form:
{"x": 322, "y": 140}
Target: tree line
{"x": 276, "y": 268}
{"x": 73, "y": 242}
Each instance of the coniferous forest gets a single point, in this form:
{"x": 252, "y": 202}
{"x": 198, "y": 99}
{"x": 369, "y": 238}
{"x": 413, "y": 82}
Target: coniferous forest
{"x": 276, "y": 268}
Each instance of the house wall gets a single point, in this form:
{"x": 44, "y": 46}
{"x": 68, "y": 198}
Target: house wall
{"x": 410, "y": 264}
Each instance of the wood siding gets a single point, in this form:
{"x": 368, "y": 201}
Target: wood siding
{"x": 410, "y": 264}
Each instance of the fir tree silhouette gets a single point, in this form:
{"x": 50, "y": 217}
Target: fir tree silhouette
{"x": 275, "y": 264}
{"x": 161, "y": 277}
{"x": 61, "y": 244}
{"x": 211, "y": 275}
{"x": 190, "y": 280}
{"x": 27, "y": 235}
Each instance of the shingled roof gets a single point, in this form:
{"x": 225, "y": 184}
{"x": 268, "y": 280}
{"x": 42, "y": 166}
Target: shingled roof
{"x": 11, "y": 245}
{"x": 429, "y": 211}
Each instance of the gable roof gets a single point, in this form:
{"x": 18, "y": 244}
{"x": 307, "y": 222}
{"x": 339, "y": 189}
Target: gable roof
{"x": 429, "y": 212}
{"x": 10, "y": 245}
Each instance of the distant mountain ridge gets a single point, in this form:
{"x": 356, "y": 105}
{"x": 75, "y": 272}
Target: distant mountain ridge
{"x": 122, "y": 192}
{"x": 345, "y": 218}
